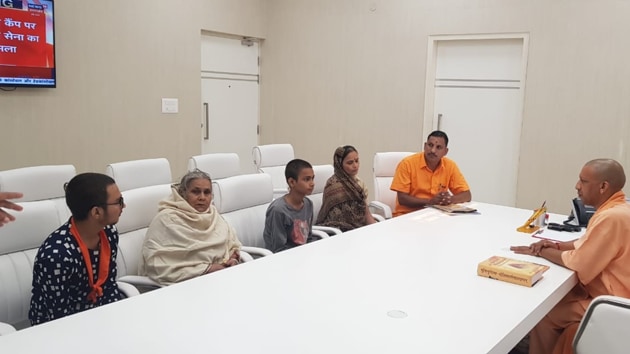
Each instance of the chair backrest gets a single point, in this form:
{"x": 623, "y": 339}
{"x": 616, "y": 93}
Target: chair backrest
{"x": 19, "y": 241}
{"x": 322, "y": 174}
{"x": 140, "y": 173}
{"x": 243, "y": 200}
{"x": 604, "y": 328}
{"x": 272, "y": 159}
{"x": 385, "y": 164}
{"x": 39, "y": 183}
{"x": 219, "y": 165}
{"x": 141, "y": 208}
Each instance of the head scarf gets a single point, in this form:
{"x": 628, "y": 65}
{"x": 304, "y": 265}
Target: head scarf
{"x": 181, "y": 242}
{"x": 343, "y": 204}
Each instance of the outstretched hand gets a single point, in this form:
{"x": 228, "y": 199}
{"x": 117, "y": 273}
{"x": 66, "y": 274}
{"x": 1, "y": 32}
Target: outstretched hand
{"x": 528, "y": 250}
{"x": 5, "y": 203}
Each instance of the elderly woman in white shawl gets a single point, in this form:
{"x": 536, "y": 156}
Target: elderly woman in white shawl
{"x": 188, "y": 237}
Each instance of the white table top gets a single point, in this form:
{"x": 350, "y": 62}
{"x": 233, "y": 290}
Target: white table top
{"x": 333, "y": 296}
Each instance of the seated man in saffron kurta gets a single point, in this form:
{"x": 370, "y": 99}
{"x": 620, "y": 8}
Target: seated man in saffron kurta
{"x": 600, "y": 257}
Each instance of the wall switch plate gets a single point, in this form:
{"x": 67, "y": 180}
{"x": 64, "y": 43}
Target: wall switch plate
{"x": 170, "y": 105}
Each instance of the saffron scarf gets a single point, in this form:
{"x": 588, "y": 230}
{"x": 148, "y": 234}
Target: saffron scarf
{"x": 105, "y": 252}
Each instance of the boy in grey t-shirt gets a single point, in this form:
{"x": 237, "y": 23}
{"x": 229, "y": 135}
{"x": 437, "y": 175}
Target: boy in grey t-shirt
{"x": 289, "y": 219}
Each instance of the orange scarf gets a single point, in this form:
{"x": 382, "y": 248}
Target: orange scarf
{"x": 104, "y": 256}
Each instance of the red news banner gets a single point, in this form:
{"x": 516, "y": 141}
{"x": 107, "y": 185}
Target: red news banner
{"x": 23, "y": 47}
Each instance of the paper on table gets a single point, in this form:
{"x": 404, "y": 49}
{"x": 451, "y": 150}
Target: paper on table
{"x": 553, "y": 235}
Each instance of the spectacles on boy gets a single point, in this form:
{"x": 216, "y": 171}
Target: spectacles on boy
{"x": 120, "y": 202}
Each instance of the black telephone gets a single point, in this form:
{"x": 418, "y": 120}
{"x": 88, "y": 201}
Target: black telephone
{"x": 581, "y": 214}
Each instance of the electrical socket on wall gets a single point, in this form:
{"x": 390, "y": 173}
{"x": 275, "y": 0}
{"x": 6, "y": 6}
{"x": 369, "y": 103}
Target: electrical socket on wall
{"x": 170, "y": 105}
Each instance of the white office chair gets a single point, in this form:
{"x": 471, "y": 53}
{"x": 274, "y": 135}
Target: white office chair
{"x": 243, "y": 201}
{"x": 19, "y": 241}
{"x": 40, "y": 183}
{"x": 604, "y": 328}
{"x": 141, "y": 208}
{"x": 272, "y": 159}
{"x": 143, "y": 184}
{"x": 44, "y": 210}
{"x": 322, "y": 174}
{"x": 385, "y": 164}
{"x": 140, "y": 173}
{"x": 218, "y": 165}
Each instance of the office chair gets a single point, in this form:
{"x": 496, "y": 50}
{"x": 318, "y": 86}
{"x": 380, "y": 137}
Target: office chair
{"x": 604, "y": 328}
{"x": 217, "y": 165}
{"x": 272, "y": 159}
{"x": 385, "y": 164}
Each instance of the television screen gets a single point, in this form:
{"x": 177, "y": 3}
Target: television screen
{"x": 27, "y": 43}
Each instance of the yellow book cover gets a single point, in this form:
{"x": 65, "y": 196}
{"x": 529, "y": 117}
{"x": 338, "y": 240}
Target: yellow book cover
{"x": 511, "y": 270}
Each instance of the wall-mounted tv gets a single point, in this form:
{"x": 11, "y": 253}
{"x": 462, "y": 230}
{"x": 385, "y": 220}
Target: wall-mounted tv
{"x": 27, "y": 43}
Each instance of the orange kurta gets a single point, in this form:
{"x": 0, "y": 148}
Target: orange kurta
{"x": 414, "y": 177}
{"x": 600, "y": 259}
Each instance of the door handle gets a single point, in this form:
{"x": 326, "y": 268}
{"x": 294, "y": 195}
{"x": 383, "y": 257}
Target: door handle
{"x": 439, "y": 127}
{"x": 206, "y": 135}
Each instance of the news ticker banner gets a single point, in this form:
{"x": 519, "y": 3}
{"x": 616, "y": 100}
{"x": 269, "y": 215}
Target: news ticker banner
{"x": 26, "y": 43}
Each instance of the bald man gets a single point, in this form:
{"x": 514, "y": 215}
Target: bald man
{"x": 5, "y": 203}
{"x": 601, "y": 257}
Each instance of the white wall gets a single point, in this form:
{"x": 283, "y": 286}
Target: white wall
{"x": 353, "y": 72}
{"x": 333, "y": 72}
{"x": 115, "y": 61}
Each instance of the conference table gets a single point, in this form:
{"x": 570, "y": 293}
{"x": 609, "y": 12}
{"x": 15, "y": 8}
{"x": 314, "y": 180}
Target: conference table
{"x": 404, "y": 285}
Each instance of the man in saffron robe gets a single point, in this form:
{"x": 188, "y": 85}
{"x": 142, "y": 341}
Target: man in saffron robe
{"x": 600, "y": 257}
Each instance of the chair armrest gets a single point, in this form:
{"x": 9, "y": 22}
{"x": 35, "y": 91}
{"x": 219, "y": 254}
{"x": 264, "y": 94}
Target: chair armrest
{"x": 378, "y": 217}
{"x": 319, "y": 234}
{"x": 127, "y": 289}
{"x": 245, "y": 257}
{"x": 331, "y": 231}
{"x": 381, "y": 209}
{"x": 139, "y": 281}
{"x": 6, "y": 328}
{"x": 256, "y": 251}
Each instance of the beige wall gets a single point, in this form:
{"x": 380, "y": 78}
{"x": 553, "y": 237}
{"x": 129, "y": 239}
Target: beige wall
{"x": 115, "y": 61}
{"x": 333, "y": 72}
{"x": 352, "y": 72}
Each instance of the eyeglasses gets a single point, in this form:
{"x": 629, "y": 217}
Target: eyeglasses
{"x": 120, "y": 202}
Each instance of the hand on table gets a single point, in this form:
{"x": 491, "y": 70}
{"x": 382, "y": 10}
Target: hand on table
{"x": 533, "y": 249}
{"x": 442, "y": 198}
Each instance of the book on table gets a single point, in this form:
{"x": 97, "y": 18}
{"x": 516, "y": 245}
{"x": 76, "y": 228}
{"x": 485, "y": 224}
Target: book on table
{"x": 455, "y": 208}
{"x": 511, "y": 270}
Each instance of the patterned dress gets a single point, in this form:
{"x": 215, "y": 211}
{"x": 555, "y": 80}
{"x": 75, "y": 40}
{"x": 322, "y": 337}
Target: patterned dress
{"x": 60, "y": 279}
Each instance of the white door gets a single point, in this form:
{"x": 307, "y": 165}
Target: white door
{"x": 477, "y": 88}
{"x": 230, "y": 97}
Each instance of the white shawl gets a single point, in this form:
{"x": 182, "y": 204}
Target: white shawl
{"x": 181, "y": 242}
